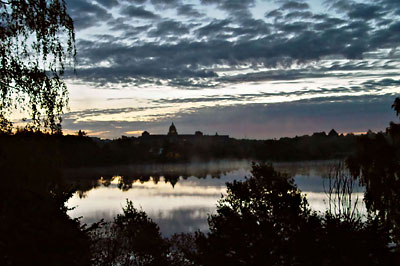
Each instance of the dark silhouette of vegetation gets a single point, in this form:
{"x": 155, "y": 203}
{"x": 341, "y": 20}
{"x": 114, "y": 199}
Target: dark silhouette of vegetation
{"x": 34, "y": 226}
{"x": 377, "y": 165}
{"x": 132, "y": 239}
{"x": 339, "y": 186}
{"x": 266, "y": 221}
{"x": 36, "y": 40}
{"x": 83, "y": 151}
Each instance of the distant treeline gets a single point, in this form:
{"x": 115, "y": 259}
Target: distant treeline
{"x": 82, "y": 151}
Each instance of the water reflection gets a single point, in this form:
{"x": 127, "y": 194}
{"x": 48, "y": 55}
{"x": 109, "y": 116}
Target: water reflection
{"x": 179, "y": 197}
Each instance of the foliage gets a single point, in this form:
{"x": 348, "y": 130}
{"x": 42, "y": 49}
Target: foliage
{"x": 377, "y": 165}
{"x": 182, "y": 249}
{"x": 256, "y": 221}
{"x": 396, "y": 106}
{"x": 132, "y": 239}
{"x": 34, "y": 226}
{"x": 339, "y": 190}
{"x": 36, "y": 40}
{"x": 266, "y": 221}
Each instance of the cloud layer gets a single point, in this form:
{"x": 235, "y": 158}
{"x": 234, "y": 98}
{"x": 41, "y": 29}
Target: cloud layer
{"x": 170, "y": 40}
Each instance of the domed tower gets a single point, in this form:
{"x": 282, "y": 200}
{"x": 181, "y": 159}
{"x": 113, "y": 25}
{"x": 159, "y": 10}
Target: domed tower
{"x": 172, "y": 130}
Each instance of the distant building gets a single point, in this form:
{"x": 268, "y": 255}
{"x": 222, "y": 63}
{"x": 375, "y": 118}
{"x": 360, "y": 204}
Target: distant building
{"x": 172, "y": 130}
{"x": 333, "y": 133}
{"x": 174, "y": 136}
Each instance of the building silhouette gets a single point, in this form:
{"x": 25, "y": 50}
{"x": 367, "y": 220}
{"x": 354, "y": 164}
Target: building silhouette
{"x": 172, "y": 130}
{"x": 173, "y": 136}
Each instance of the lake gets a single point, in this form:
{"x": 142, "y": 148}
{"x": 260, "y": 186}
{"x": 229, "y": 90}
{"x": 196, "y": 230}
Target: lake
{"x": 180, "y": 197}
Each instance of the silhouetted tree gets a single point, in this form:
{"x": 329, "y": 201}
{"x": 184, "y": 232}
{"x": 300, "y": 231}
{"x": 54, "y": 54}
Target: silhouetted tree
{"x": 36, "y": 40}
{"x": 396, "y": 106}
{"x": 265, "y": 220}
{"x": 81, "y": 133}
{"x": 339, "y": 186}
{"x": 34, "y": 226}
{"x": 257, "y": 223}
{"x": 132, "y": 239}
{"x": 377, "y": 165}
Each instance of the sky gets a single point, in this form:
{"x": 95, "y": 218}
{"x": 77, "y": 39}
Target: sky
{"x": 250, "y": 68}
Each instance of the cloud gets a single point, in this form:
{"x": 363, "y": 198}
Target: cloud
{"x": 140, "y": 2}
{"x": 189, "y": 11}
{"x": 169, "y": 27}
{"x": 214, "y": 28}
{"x": 237, "y": 8}
{"x": 381, "y": 83}
{"x": 108, "y": 3}
{"x": 85, "y": 14}
{"x": 181, "y": 64}
{"x": 365, "y": 11}
{"x": 182, "y": 52}
{"x": 299, "y": 15}
{"x": 162, "y": 4}
{"x": 295, "y": 5}
{"x": 138, "y": 12}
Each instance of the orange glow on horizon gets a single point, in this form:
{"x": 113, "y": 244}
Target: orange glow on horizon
{"x": 135, "y": 132}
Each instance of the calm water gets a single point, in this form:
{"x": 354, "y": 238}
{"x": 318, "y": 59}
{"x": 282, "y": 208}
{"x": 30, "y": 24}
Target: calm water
{"x": 179, "y": 197}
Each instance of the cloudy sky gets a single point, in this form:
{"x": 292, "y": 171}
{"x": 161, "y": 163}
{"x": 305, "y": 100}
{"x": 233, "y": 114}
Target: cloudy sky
{"x": 247, "y": 68}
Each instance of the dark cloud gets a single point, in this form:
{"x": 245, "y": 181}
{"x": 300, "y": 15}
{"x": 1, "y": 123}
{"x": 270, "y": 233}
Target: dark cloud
{"x": 381, "y": 83}
{"x": 162, "y": 4}
{"x": 140, "y": 2}
{"x": 86, "y": 14}
{"x": 186, "y": 58}
{"x": 127, "y": 30}
{"x": 246, "y": 28}
{"x": 252, "y": 28}
{"x": 192, "y": 83}
{"x": 138, "y": 12}
{"x": 238, "y": 8}
{"x": 103, "y": 38}
{"x": 108, "y": 3}
{"x": 295, "y": 5}
{"x": 169, "y": 27}
{"x": 365, "y": 11}
{"x": 294, "y": 27}
{"x": 230, "y": 4}
{"x": 366, "y": 87}
{"x": 299, "y": 15}
{"x": 188, "y": 11}
{"x": 193, "y": 50}
{"x": 327, "y": 23}
{"x": 197, "y": 100}
{"x": 276, "y": 13}
{"x": 387, "y": 37}
{"x": 276, "y": 75}
{"x": 215, "y": 28}
{"x": 95, "y": 112}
